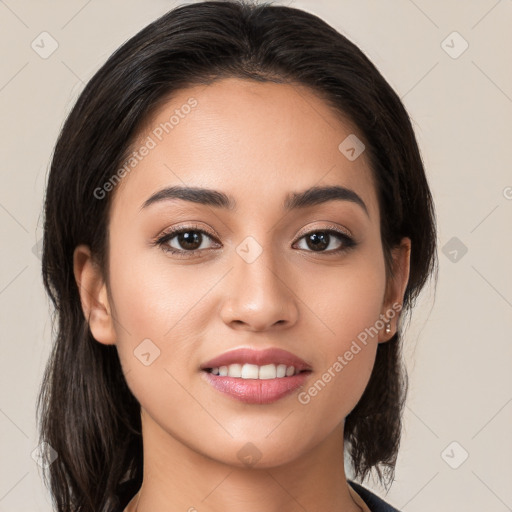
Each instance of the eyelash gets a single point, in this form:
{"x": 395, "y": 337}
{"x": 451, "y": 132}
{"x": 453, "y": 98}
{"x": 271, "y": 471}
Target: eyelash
{"x": 347, "y": 241}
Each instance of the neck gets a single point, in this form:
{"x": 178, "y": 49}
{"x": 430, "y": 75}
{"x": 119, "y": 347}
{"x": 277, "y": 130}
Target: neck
{"x": 179, "y": 478}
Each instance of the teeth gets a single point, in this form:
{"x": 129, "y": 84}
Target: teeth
{"x": 253, "y": 371}
{"x": 234, "y": 370}
{"x": 249, "y": 371}
{"x": 281, "y": 370}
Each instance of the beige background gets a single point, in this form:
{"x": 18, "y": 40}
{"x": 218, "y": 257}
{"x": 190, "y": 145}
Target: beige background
{"x": 459, "y": 348}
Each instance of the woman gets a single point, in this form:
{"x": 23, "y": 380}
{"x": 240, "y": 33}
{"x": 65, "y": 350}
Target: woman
{"x": 236, "y": 220}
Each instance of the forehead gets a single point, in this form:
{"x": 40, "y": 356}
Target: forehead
{"x": 249, "y": 139}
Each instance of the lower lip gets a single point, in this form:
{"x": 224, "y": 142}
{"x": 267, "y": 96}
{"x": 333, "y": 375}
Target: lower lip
{"x": 256, "y": 391}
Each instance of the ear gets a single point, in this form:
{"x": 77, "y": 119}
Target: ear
{"x": 93, "y": 295}
{"x": 395, "y": 288}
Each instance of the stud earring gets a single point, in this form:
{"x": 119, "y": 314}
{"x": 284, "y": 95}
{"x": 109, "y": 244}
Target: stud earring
{"x": 388, "y": 328}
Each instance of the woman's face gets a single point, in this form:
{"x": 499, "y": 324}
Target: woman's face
{"x": 258, "y": 275}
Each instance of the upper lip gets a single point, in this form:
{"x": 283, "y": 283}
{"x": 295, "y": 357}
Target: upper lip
{"x": 258, "y": 357}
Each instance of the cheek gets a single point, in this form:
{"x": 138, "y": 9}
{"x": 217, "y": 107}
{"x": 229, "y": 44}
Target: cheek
{"x": 348, "y": 304}
{"x": 347, "y": 298}
{"x": 150, "y": 297}
{"x": 158, "y": 319}
{"x": 161, "y": 311}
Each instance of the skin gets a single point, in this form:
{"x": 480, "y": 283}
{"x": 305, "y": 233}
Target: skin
{"x": 252, "y": 141}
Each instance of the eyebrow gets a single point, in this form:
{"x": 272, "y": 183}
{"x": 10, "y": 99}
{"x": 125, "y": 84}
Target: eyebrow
{"x": 295, "y": 200}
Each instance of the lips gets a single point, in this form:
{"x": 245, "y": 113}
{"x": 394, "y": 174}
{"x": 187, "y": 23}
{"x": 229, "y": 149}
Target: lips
{"x": 254, "y": 391}
{"x": 258, "y": 357}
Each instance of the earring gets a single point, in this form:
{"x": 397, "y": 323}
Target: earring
{"x": 388, "y": 328}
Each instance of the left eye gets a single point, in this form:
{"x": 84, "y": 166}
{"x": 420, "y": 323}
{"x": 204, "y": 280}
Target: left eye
{"x": 322, "y": 241}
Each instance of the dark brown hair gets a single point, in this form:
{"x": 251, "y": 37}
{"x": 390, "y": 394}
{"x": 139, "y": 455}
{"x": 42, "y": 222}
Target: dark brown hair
{"x": 88, "y": 414}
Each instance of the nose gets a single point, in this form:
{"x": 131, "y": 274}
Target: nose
{"x": 258, "y": 295}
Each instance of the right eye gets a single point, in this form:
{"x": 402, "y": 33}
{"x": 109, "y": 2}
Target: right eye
{"x": 184, "y": 241}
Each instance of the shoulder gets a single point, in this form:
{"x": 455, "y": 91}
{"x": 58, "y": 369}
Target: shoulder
{"x": 374, "y": 502}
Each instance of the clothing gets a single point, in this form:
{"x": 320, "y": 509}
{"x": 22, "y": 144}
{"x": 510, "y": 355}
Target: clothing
{"x": 375, "y": 504}
{"x": 128, "y": 489}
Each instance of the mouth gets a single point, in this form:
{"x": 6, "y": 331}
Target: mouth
{"x": 249, "y": 371}
{"x": 247, "y": 363}
{"x": 256, "y": 376}
{"x": 256, "y": 391}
